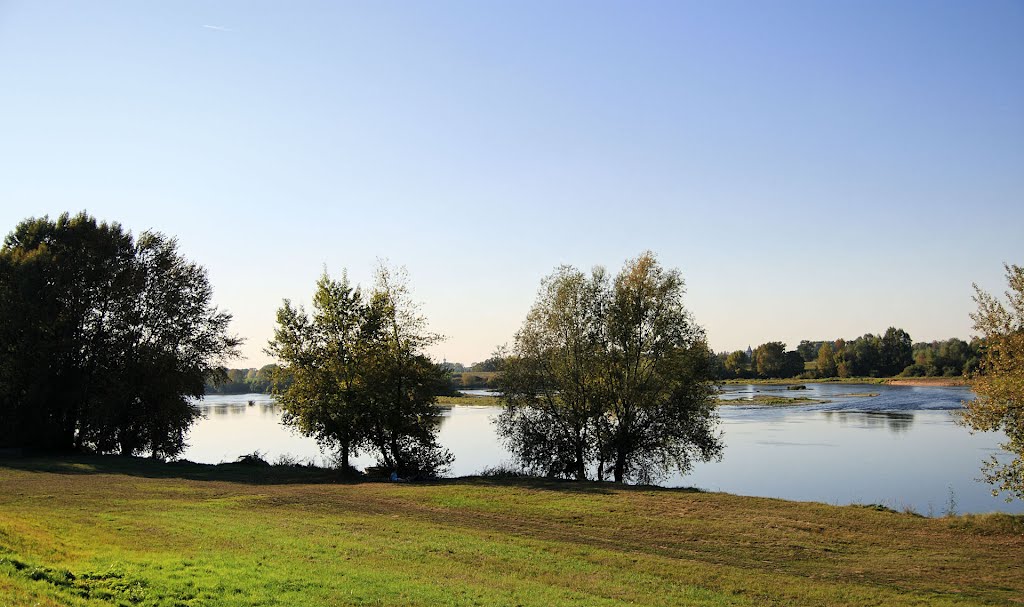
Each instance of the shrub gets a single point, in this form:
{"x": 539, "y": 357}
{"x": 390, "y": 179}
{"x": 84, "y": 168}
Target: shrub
{"x": 504, "y": 470}
{"x": 252, "y": 459}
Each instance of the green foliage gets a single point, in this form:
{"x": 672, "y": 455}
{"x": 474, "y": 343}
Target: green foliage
{"x": 770, "y": 360}
{"x": 950, "y": 358}
{"x": 870, "y": 355}
{"x": 737, "y": 365}
{"x": 999, "y": 381}
{"x": 612, "y": 375}
{"x": 106, "y": 338}
{"x": 896, "y": 351}
{"x": 244, "y": 381}
{"x": 491, "y": 365}
{"x": 827, "y": 361}
{"x": 808, "y": 350}
{"x": 358, "y": 375}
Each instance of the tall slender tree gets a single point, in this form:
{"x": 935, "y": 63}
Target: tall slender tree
{"x": 553, "y": 388}
{"x": 320, "y": 355}
{"x": 662, "y": 410}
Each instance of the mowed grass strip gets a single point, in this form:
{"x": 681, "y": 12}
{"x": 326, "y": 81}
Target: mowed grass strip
{"x": 110, "y": 531}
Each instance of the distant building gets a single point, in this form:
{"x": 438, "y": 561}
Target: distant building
{"x": 750, "y": 353}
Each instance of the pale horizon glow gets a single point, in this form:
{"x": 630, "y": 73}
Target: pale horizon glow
{"x": 814, "y": 170}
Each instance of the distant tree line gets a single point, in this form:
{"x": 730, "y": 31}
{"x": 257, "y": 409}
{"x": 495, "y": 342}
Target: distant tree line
{"x": 488, "y": 366}
{"x": 478, "y": 376}
{"x": 246, "y": 381}
{"x": 890, "y": 354}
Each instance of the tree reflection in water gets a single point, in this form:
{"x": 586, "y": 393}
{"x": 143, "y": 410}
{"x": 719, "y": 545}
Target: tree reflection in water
{"x": 898, "y": 422}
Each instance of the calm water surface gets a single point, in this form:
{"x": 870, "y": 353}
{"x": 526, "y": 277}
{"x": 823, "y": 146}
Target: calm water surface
{"x": 900, "y": 448}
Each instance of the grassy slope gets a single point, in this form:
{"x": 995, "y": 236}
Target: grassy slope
{"x": 100, "y": 531}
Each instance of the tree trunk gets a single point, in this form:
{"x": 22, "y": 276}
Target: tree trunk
{"x": 344, "y": 457}
{"x": 620, "y": 467}
{"x": 395, "y": 455}
{"x": 581, "y": 470}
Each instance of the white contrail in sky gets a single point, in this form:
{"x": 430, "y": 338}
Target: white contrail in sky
{"x": 219, "y": 28}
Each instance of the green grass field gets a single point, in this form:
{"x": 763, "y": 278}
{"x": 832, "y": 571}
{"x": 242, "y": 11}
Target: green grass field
{"x": 491, "y": 401}
{"x": 116, "y": 531}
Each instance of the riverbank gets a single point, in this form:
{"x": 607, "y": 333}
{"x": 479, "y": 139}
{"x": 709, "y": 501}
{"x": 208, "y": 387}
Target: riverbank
{"x": 760, "y": 399}
{"x": 107, "y": 530}
{"x": 892, "y": 381}
{"x": 927, "y": 381}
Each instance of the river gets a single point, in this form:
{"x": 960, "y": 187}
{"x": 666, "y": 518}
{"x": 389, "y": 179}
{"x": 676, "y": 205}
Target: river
{"x": 872, "y": 444}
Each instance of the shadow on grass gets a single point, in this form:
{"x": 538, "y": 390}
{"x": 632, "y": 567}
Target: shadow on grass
{"x": 136, "y": 466}
{"x": 78, "y": 464}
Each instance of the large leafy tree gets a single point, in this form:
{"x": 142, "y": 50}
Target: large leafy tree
{"x": 897, "y": 351}
{"x": 662, "y": 409}
{"x": 358, "y": 377}
{"x": 736, "y": 364}
{"x": 610, "y": 376}
{"x": 106, "y": 338}
{"x": 320, "y": 354}
{"x": 401, "y": 381}
{"x": 826, "y": 362}
{"x": 554, "y": 387}
{"x": 999, "y": 381}
{"x": 770, "y": 359}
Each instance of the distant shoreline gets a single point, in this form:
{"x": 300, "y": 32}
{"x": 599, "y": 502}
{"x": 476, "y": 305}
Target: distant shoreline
{"x": 928, "y": 381}
{"x": 938, "y": 382}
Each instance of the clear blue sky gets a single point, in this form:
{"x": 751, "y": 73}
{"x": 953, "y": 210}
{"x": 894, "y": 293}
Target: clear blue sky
{"x": 815, "y": 169}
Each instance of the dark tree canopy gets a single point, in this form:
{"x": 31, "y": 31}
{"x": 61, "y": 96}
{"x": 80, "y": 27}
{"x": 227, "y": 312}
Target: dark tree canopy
{"x": 610, "y": 377}
{"x": 808, "y": 350}
{"x": 770, "y": 359}
{"x": 105, "y": 339}
{"x": 896, "y": 352}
